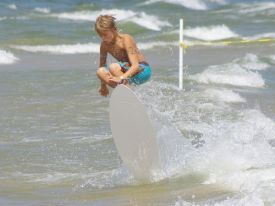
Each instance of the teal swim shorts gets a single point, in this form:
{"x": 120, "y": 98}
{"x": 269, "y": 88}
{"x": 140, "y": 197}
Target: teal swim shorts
{"x": 143, "y": 74}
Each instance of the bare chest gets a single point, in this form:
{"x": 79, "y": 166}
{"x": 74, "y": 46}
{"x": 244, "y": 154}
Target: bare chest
{"x": 118, "y": 52}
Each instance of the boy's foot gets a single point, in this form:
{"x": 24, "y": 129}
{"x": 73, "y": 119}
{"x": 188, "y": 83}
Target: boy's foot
{"x": 103, "y": 90}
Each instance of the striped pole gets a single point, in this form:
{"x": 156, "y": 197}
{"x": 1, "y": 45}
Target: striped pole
{"x": 181, "y": 55}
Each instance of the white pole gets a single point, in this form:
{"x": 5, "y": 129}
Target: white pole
{"x": 181, "y": 55}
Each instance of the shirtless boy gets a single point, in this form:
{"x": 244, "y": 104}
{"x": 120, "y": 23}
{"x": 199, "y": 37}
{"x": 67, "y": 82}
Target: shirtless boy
{"x": 131, "y": 66}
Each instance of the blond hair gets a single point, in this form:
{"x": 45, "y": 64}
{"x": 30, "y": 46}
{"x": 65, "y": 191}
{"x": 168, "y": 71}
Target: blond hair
{"x": 104, "y": 23}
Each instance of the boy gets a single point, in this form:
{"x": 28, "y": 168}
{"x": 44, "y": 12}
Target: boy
{"x": 131, "y": 66}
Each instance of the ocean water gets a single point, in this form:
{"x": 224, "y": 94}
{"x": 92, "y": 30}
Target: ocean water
{"x": 216, "y": 136}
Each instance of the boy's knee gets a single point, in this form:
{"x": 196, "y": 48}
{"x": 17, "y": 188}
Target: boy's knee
{"x": 100, "y": 71}
{"x": 114, "y": 67}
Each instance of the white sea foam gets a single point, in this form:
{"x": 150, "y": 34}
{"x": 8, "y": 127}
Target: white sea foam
{"x": 83, "y": 48}
{"x": 234, "y": 151}
{"x": 237, "y": 73}
{"x": 272, "y": 58}
{"x": 224, "y": 95}
{"x": 232, "y": 74}
{"x": 47, "y": 178}
{"x": 31, "y": 140}
{"x": 141, "y": 18}
{"x": 3, "y": 18}
{"x": 244, "y": 200}
{"x": 222, "y": 2}
{"x": 256, "y": 7}
{"x": 91, "y": 16}
{"x": 251, "y": 62}
{"x": 150, "y": 45}
{"x": 237, "y": 154}
{"x": 21, "y": 18}
{"x": 62, "y": 49}
{"x": 149, "y": 21}
{"x": 92, "y": 139}
{"x": 195, "y": 4}
{"x": 261, "y": 36}
{"x": 42, "y": 10}
{"x": 219, "y": 33}
{"x": 7, "y": 57}
{"x": 211, "y": 33}
{"x": 14, "y": 18}
{"x": 55, "y": 177}
{"x": 12, "y": 6}
{"x": 242, "y": 159}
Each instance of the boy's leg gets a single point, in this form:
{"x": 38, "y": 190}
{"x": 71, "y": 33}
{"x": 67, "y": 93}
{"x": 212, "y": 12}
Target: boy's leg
{"x": 115, "y": 69}
{"x": 104, "y": 76}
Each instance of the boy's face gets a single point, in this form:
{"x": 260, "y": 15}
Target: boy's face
{"x": 107, "y": 36}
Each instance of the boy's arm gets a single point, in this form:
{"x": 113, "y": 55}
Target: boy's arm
{"x": 132, "y": 52}
{"x": 102, "y": 59}
{"x": 102, "y": 56}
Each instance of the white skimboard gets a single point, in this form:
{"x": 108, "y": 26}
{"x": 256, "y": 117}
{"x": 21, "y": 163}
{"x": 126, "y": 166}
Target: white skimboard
{"x": 133, "y": 133}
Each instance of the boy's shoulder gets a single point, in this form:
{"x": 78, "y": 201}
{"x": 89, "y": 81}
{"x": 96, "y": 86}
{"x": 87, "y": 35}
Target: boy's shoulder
{"x": 127, "y": 38}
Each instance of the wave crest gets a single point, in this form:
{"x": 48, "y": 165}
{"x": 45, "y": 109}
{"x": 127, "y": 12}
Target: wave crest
{"x": 211, "y": 33}
{"x": 7, "y": 57}
{"x": 141, "y": 18}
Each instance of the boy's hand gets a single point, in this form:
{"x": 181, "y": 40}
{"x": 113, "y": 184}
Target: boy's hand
{"x": 118, "y": 80}
{"x": 104, "y": 90}
{"x": 115, "y": 80}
